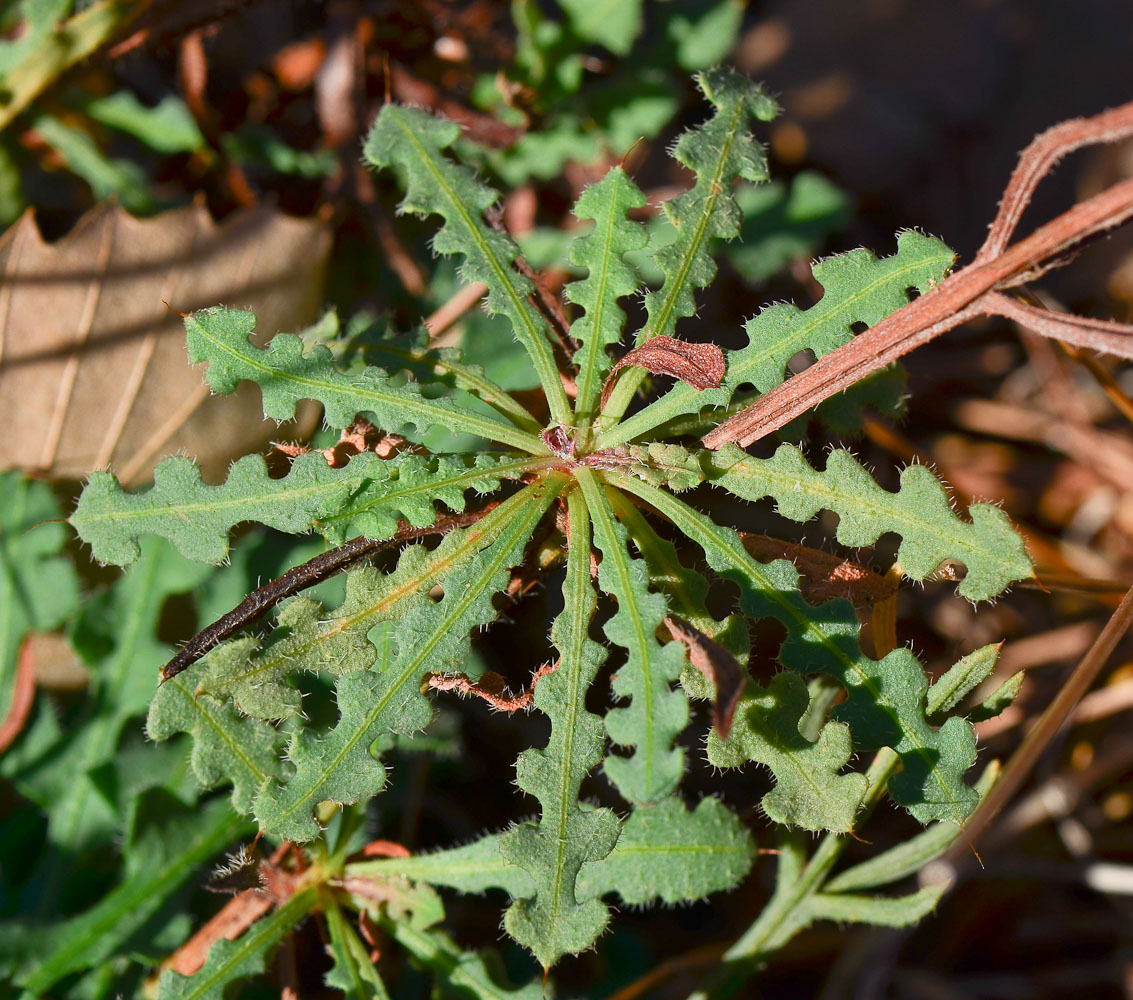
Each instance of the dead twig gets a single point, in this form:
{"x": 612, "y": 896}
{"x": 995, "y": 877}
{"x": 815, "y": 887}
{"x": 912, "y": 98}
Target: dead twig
{"x": 974, "y": 290}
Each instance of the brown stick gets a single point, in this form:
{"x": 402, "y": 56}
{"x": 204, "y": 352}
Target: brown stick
{"x": 971, "y": 291}
{"x": 1047, "y": 727}
{"x": 261, "y": 600}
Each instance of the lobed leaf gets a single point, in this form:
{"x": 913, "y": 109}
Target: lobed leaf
{"x": 550, "y": 919}
{"x": 414, "y": 141}
{"x": 920, "y": 512}
{"x": 809, "y": 790}
{"x": 674, "y": 854}
{"x": 287, "y": 374}
{"x": 656, "y": 714}
{"x": 858, "y": 288}
{"x": 228, "y": 747}
{"x": 719, "y": 152}
{"x": 885, "y": 703}
{"x": 432, "y": 637}
{"x": 367, "y": 497}
{"x": 609, "y": 278}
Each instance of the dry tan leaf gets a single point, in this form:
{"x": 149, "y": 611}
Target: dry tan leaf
{"x": 719, "y": 666}
{"x": 93, "y": 371}
{"x": 700, "y": 365}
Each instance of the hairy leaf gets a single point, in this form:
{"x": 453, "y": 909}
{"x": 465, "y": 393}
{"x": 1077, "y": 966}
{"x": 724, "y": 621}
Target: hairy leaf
{"x": 809, "y": 789}
{"x": 656, "y": 713}
{"x": 609, "y": 278}
{"x": 414, "y": 141}
{"x": 911, "y": 855}
{"x": 230, "y": 961}
{"x": 685, "y": 590}
{"x": 354, "y": 972}
{"x": 931, "y": 533}
{"x": 893, "y": 911}
{"x": 858, "y": 288}
{"x": 431, "y": 637}
{"x": 885, "y": 698}
{"x": 459, "y": 973}
{"x": 674, "y": 854}
{"x": 367, "y": 497}
{"x": 474, "y": 867}
{"x": 228, "y": 747}
{"x": 287, "y": 374}
{"x": 551, "y": 921}
{"x": 718, "y": 152}
{"x": 962, "y": 678}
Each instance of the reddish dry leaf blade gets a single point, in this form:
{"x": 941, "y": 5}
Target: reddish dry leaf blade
{"x": 492, "y": 688}
{"x": 236, "y": 917}
{"x": 718, "y": 665}
{"x": 92, "y": 363}
{"x": 700, "y": 365}
{"x": 822, "y": 575}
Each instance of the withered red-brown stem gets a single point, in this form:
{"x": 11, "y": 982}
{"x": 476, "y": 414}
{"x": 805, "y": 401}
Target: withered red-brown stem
{"x": 972, "y": 291}
{"x": 261, "y": 600}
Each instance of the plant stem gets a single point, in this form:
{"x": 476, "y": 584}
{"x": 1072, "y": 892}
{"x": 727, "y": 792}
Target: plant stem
{"x": 786, "y": 912}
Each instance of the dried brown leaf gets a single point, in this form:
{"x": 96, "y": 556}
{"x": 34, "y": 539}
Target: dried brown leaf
{"x": 92, "y": 363}
{"x": 822, "y": 575}
{"x": 700, "y": 365}
{"x": 716, "y": 664}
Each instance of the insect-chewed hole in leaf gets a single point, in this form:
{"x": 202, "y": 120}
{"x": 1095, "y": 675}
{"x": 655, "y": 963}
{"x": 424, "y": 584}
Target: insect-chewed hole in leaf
{"x": 437, "y": 594}
{"x": 178, "y": 619}
{"x": 950, "y": 569}
{"x": 859, "y": 327}
{"x": 913, "y": 292}
{"x": 801, "y": 360}
{"x": 320, "y": 710}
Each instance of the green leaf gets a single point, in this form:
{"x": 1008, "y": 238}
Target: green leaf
{"x": 899, "y": 911}
{"x": 108, "y": 178}
{"x": 718, "y": 152}
{"x": 474, "y": 867}
{"x": 230, "y": 961}
{"x": 432, "y": 637}
{"x": 459, "y": 973}
{"x": 353, "y": 972}
{"x": 885, "y": 698}
{"x": 169, "y": 127}
{"x": 414, "y": 141}
{"x": 367, "y": 496}
{"x": 550, "y": 920}
{"x": 165, "y": 845}
{"x": 228, "y": 747}
{"x": 999, "y": 699}
{"x": 962, "y": 678}
{"x": 656, "y": 713}
{"x": 705, "y": 37}
{"x": 809, "y": 790}
{"x": 685, "y": 591}
{"x": 674, "y": 854}
{"x": 287, "y": 374}
{"x": 39, "y": 590}
{"x": 857, "y": 288}
{"x": 612, "y": 23}
{"x": 782, "y": 224}
{"x": 911, "y": 855}
{"x": 609, "y": 278}
{"x": 920, "y": 512}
